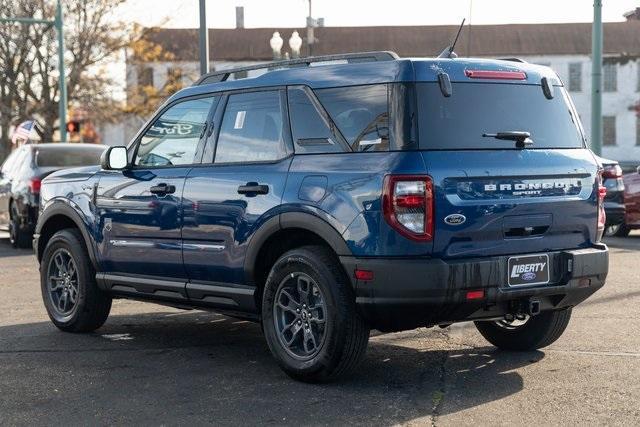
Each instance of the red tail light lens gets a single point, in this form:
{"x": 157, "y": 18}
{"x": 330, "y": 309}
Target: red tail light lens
{"x": 34, "y": 185}
{"x": 408, "y": 205}
{"x": 614, "y": 171}
{"x": 602, "y": 217}
{"x": 495, "y": 75}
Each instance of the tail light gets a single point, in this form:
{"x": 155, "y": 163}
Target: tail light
{"x": 408, "y": 205}
{"x": 602, "y": 217}
{"x": 613, "y": 171}
{"x": 34, "y": 185}
{"x": 495, "y": 75}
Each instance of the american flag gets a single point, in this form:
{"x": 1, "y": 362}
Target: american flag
{"x": 23, "y": 131}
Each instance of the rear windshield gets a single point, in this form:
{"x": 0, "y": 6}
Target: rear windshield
{"x": 68, "y": 156}
{"x": 474, "y": 109}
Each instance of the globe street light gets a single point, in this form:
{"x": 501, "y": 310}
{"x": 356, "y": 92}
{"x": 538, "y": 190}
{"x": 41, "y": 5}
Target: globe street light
{"x": 295, "y": 43}
{"x": 276, "y": 43}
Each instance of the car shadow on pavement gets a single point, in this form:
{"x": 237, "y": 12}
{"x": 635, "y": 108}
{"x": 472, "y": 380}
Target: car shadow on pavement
{"x": 6, "y": 250}
{"x": 202, "y": 368}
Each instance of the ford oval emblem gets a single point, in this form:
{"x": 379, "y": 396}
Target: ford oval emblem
{"x": 455, "y": 219}
{"x": 529, "y": 276}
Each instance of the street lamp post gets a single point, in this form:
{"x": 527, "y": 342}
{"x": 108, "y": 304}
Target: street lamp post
{"x": 295, "y": 43}
{"x": 204, "y": 40}
{"x": 596, "y": 78}
{"x": 58, "y": 24}
{"x": 276, "y": 43}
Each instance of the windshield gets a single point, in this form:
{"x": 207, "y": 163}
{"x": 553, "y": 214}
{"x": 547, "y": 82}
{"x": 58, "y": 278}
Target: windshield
{"x": 68, "y": 156}
{"x": 474, "y": 109}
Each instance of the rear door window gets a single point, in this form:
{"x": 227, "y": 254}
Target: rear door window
{"x": 474, "y": 109}
{"x": 361, "y": 114}
{"x": 252, "y": 128}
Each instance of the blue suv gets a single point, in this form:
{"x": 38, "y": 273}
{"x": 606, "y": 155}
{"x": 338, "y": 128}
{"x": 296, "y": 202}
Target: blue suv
{"x": 327, "y": 196}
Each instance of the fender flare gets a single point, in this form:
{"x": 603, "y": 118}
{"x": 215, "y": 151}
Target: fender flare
{"x": 65, "y": 209}
{"x": 299, "y": 220}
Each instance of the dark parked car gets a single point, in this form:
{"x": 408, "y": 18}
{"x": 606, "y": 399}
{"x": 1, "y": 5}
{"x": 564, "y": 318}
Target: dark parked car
{"x": 632, "y": 204}
{"x": 614, "y": 205}
{"x": 324, "y": 201}
{"x": 20, "y": 178}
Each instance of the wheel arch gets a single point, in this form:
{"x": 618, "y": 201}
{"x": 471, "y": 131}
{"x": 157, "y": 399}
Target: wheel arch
{"x": 57, "y": 217}
{"x": 301, "y": 229}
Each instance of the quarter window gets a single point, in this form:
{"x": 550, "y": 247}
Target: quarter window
{"x": 609, "y": 130}
{"x": 173, "y": 138}
{"x": 361, "y": 113}
{"x": 575, "y": 77}
{"x": 252, "y": 129}
{"x": 311, "y": 133}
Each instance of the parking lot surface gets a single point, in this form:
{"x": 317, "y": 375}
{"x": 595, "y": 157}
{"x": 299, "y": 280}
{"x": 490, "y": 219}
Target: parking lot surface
{"x": 152, "y": 365}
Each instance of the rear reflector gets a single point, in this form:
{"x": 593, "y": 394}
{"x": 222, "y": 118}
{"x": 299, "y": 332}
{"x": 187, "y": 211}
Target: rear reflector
{"x": 475, "y": 294}
{"x": 495, "y": 75}
{"x": 364, "y": 275}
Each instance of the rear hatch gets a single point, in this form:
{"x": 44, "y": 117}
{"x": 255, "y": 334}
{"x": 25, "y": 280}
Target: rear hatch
{"x": 492, "y": 197}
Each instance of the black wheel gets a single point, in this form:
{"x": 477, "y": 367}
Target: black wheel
{"x": 69, "y": 290}
{"x": 618, "y": 230}
{"x": 526, "y": 333}
{"x": 18, "y": 237}
{"x": 309, "y": 316}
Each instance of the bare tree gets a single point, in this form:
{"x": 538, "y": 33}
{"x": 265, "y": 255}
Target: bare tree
{"x": 29, "y": 86}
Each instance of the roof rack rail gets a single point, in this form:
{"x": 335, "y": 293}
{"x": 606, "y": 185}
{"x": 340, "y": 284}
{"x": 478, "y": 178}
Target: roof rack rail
{"x": 513, "y": 59}
{"x": 223, "y": 75}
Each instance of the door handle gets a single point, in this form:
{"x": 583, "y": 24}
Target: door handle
{"x": 253, "y": 188}
{"x": 162, "y": 189}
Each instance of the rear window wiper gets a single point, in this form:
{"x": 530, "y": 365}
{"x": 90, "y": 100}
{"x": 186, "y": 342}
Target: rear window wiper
{"x": 521, "y": 138}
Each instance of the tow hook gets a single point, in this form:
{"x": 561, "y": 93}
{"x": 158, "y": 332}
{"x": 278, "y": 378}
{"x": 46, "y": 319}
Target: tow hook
{"x": 534, "y": 307}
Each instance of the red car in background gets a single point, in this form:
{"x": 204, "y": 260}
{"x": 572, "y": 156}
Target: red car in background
{"x": 632, "y": 203}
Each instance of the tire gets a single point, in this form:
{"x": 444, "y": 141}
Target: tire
{"x": 340, "y": 335}
{"x": 618, "y": 230}
{"x": 18, "y": 237}
{"x": 537, "y": 332}
{"x": 86, "y": 307}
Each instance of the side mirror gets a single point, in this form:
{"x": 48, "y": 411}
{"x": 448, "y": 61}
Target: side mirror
{"x": 114, "y": 158}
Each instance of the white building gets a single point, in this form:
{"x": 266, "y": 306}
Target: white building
{"x": 564, "y": 47}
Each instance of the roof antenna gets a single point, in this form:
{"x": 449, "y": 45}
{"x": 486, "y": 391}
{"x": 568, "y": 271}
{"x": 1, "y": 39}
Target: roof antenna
{"x": 448, "y": 52}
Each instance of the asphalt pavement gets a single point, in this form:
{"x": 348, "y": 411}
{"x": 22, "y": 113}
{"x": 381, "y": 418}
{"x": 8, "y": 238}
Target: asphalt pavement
{"x": 153, "y": 365}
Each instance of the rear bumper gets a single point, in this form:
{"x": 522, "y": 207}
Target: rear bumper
{"x": 408, "y": 293}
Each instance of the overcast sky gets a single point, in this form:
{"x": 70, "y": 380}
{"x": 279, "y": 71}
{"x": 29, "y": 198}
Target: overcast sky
{"x": 292, "y": 13}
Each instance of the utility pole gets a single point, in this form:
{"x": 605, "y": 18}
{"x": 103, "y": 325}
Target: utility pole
{"x": 596, "y": 78}
{"x": 58, "y": 24}
{"x": 310, "y": 33}
{"x": 204, "y": 39}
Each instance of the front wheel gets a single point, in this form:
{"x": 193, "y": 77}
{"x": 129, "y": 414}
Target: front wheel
{"x": 309, "y": 316}
{"x": 526, "y": 333}
{"x": 69, "y": 290}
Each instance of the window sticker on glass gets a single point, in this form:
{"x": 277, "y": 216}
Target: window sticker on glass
{"x": 240, "y": 115}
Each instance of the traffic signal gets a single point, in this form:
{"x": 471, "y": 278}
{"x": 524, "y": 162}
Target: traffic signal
{"x": 73, "y": 126}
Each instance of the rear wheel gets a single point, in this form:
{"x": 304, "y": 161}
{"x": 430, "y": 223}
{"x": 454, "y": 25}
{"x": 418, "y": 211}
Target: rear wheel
{"x": 526, "y": 333}
{"x": 309, "y": 316}
{"x": 18, "y": 237}
{"x": 69, "y": 290}
{"x": 618, "y": 230}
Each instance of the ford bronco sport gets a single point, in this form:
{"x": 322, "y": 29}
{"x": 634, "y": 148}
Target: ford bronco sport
{"x": 327, "y": 196}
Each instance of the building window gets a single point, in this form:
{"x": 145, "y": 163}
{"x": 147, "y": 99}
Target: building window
{"x": 145, "y": 76}
{"x": 575, "y": 77}
{"x": 609, "y": 130}
{"x": 638, "y": 130}
{"x": 610, "y": 77}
